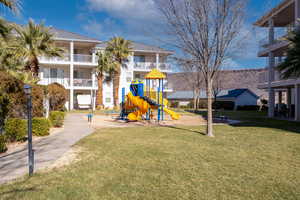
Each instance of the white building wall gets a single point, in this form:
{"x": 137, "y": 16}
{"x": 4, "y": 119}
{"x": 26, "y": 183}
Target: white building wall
{"x": 245, "y": 99}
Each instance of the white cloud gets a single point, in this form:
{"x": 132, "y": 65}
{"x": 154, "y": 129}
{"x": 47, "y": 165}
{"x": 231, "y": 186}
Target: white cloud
{"x": 125, "y": 9}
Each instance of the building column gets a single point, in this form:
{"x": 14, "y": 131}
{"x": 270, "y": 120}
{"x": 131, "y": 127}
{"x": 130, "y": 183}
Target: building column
{"x": 157, "y": 61}
{"x": 94, "y": 57}
{"x": 297, "y": 102}
{"x": 289, "y": 100}
{"x": 271, "y": 101}
{"x": 93, "y": 91}
{"x": 71, "y": 75}
{"x": 297, "y": 13}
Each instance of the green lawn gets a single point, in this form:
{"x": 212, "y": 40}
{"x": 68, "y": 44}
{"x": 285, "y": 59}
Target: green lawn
{"x": 241, "y": 162}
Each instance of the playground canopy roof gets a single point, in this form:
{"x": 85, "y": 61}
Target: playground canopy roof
{"x": 155, "y": 74}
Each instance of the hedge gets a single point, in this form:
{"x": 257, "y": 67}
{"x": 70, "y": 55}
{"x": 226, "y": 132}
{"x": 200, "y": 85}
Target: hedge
{"x": 3, "y": 147}
{"x": 248, "y": 108}
{"x": 15, "y": 129}
{"x": 57, "y": 118}
{"x": 40, "y": 126}
{"x": 226, "y": 105}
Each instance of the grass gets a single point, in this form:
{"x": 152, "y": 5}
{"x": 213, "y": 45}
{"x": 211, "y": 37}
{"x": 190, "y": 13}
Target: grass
{"x": 241, "y": 162}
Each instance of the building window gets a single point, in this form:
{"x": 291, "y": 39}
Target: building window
{"x": 53, "y": 73}
{"x": 108, "y": 100}
{"x": 139, "y": 59}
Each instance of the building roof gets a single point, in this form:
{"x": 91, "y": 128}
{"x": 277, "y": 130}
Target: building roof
{"x": 66, "y": 35}
{"x": 236, "y": 93}
{"x": 139, "y": 47}
{"x": 155, "y": 74}
{"x": 263, "y": 21}
{"x": 230, "y": 79}
{"x": 223, "y": 94}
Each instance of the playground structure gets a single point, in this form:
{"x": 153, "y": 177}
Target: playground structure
{"x": 141, "y": 101}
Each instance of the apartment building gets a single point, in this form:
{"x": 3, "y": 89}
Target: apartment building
{"x": 279, "y": 21}
{"x": 76, "y": 69}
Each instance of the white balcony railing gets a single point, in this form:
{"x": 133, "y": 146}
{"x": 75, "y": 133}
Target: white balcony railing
{"x": 151, "y": 65}
{"x": 62, "y": 81}
{"x": 80, "y": 58}
{"x": 77, "y": 82}
{"x": 83, "y": 58}
{"x": 279, "y": 35}
{"x": 64, "y": 58}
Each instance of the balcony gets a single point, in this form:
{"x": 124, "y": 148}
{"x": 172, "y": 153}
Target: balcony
{"x": 77, "y": 58}
{"x": 83, "y": 82}
{"x": 279, "y": 35}
{"x": 82, "y": 58}
{"x": 77, "y": 82}
{"x": 64, "y": 58}
{"x": 146, "y": 66}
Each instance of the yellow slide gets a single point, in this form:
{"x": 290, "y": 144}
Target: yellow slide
{"x": 174, "y": 115}
{"x": 141, "y": 104}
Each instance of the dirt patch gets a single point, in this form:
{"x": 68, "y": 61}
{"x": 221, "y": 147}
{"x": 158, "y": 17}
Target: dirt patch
{"x": 111, "y": 121}
{"x": 67, "y": 158}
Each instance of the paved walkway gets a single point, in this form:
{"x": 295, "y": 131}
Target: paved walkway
{"x": 47, "y": 149}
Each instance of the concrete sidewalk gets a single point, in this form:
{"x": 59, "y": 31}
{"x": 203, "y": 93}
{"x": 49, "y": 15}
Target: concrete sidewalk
{"x": 47, "y": 149}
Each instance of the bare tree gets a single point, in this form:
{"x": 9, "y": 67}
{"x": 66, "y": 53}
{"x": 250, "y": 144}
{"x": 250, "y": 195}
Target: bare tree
{"x": 193, "y": 79}
{"x": 205, "y": 30}
{"x": 217, "y": 86}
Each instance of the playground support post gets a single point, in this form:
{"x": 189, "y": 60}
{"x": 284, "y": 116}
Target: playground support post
{"x": 122, "y": 104}
{"x": 162, "y": 98}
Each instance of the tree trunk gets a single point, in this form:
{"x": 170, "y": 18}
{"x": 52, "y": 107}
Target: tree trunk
{"x": 99, "y": 101}
{"x": 34, "y": 67}
{"x": 209, "y": 128}
{"x": 116, "y": 82}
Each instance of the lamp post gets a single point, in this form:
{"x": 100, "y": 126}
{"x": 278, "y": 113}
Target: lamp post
{"x": 27, "y": 90}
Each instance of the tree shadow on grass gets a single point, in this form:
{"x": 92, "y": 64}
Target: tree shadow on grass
{"x": 183, "y": 129}
{"x": 256, "y": 119}
{"x": 10, "y": 193}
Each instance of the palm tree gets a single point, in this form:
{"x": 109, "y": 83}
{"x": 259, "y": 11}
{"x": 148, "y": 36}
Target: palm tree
{"x": 13, "y": 5}
{"x": 35, "y": 40}
{"x": 105, "y": 65}
{"x": 120, "y": 49}
{"x": 290, "y": 68}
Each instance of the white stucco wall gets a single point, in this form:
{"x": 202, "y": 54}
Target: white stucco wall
{"x": 246, "y": 99}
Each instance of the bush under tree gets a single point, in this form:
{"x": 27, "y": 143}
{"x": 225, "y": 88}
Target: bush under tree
{"x": 4, "y": 104}
{"x": 3, "y": 147}
{"x": 15, "y": 129}
{"x": 57, "y": 118}
{"x": 57, "y": 96}
{"x": 40, "y": 126}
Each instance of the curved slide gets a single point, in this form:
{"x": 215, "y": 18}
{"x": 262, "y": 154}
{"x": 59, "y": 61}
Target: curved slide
{"x": 174, "y": 115}
{"x": 143, "y": 107}
{"x": 141, "y": 104}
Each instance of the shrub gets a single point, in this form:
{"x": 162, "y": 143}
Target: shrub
{"x": 37, "y": 101}
{"x": 40, "y": 126}
{"x": 57, "y": 118}
{"x": 13, "y": 88}
{"x": 248, "y": 107}
{"x": 3, "y": 147}
{"x": 57, "y": 96}
{"x": 174, "y": 104}
{"x": 202, "y": 104}
{"x": 15, "y": 129}
{"x": 4, "y": 109}
{"x": 226, "y": 105}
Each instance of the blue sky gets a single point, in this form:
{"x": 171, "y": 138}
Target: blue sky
{"x": 133, "y": 19}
